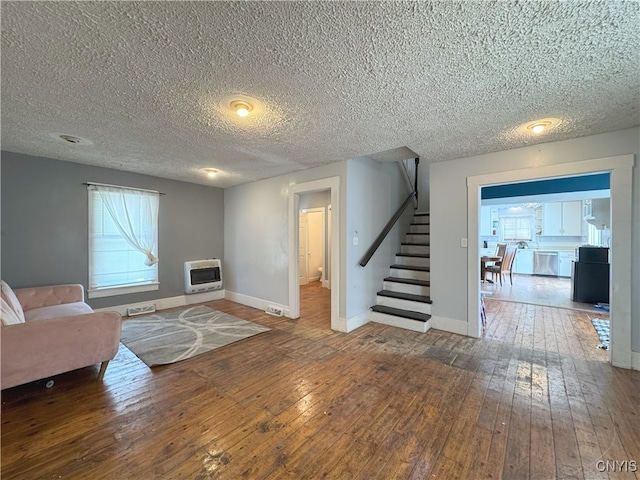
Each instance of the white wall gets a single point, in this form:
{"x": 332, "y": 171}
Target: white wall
{"x": 448, "y": 205}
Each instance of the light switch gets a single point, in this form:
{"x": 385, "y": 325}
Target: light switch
{"x": 463, "y": 242}
{"x": 355, "y": 240}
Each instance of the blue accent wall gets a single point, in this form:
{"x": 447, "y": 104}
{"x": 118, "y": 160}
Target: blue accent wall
{"x": 600, "y": 181}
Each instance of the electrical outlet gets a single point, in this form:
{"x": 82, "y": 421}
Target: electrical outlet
{"x": 463, "y": 242}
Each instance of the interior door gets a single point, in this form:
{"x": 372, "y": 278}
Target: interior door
{"x": 302, "y": 248}
{"x": 315, "y": 246}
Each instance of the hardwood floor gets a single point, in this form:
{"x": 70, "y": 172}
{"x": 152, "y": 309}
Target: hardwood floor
{"x": 536, "y": 290}
{"x": 532, "y": 399}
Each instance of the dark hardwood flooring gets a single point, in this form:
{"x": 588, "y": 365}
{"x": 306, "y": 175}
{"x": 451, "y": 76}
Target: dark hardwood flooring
{"x": 534, "y": 398}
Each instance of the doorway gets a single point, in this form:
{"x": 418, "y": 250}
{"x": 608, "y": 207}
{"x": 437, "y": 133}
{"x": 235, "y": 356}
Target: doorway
{"x": 620, "y": 168}
{"x": 311, "y": 243}
{"x": 332, "y": 252}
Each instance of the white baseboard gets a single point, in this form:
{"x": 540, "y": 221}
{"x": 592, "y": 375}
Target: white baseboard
{"x": 169, "y": 302}
{"x": 254, "y": 302}
{"x": 635, "y": 360}
{"x": 449, "y": 325}
{"x": 326, "y": 284}
{"x": 347, "y": 325}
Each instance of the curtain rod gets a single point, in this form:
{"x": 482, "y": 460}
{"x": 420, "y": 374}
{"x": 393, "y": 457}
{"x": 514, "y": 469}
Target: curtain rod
{"x": 120, "y": 186}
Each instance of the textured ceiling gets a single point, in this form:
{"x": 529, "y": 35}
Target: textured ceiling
{"x": 146, "y": 82}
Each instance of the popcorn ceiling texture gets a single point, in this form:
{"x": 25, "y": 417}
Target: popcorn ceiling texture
{"x": 145, "y": 81}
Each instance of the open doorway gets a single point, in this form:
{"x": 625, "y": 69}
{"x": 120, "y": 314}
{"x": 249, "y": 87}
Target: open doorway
{"x": 547, "y": 223}
{"x": 304, "y": 210}
{"x": 620, "y": 168}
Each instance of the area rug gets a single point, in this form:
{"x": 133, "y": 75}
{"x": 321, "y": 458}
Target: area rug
{"x": 602, "y": 328}
{"x": 169, "y": 337}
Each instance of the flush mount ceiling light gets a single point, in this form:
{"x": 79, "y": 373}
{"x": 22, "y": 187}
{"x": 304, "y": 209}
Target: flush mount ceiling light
{"x": 539, "y": 127}
{"x": 241, "y": 107}
{"x": 211, "y": 172}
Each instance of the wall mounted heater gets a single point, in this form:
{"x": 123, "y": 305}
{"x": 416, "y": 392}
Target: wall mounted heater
{"x": 202, "y": 275}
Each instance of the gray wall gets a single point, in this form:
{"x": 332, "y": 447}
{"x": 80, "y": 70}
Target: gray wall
{"x": 448, "y": 205}
{"x": 375, "y": 190}
{"x": 256, "y": 232}
{"x": 45, "y": 220}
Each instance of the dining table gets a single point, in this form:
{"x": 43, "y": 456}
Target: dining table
{"x": 484, "y": 260}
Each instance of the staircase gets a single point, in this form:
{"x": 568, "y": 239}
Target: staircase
{"x": 404, "y": 301}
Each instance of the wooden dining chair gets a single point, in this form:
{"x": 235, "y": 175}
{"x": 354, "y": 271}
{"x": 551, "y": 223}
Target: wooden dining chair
{"x": 506, "y": 266}
{"x": 501, "y": 248}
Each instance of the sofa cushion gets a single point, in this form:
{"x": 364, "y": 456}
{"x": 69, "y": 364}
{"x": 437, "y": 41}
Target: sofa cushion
{"x": 54, "y": 311}
{"x": 7, "y": 315}
{"x": 12, "y": 301}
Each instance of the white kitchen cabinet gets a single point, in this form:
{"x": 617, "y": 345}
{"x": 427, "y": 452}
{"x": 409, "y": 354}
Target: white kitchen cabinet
{"x": 485, "y": 221}
{"x": 523, "y": 262}
{"x": 565, "y": 263}
{"x": 562, "y": 219}
{"x": 488, "y": 216}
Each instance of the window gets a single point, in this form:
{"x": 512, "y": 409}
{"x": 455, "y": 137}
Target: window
{"x": 517, "y": 228}
{"x": 123, "y": 240}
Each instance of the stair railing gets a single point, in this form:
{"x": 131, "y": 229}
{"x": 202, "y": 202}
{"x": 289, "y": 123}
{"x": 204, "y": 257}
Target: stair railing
{"x": 387, "y": 228}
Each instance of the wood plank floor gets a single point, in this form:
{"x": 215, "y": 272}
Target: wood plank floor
{"x": 537, "y": 290}
{"x": 534, "y": 398}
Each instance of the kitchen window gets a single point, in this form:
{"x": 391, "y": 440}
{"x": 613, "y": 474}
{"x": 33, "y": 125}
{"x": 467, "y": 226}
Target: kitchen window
{"x": 517, "y": 228}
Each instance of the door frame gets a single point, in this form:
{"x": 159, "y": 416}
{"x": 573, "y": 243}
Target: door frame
{"x": 621, "y": 169}
{"x": 333, "y": 185}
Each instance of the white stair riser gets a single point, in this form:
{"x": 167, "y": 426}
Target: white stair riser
{"x": 419, "y": 229}
{"x": 417, "y": 238}
{"x": 413, "y": 274}
{"x": 404, "y": 304}
{"x": 406, "y": 288}
{"x": 400, "y": 322}
{"x": 414, "y": 249}
{"x": 413, "y": 261}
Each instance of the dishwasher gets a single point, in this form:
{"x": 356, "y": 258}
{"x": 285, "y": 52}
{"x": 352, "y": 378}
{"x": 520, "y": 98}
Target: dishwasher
{"x": 545, "y": 263}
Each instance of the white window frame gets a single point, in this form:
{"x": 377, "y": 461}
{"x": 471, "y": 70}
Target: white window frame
{"x": 113, "y": 290}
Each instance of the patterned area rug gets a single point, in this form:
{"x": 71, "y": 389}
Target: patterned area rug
{"x": 602, "y": 327}
{"x": 169, "y": 337}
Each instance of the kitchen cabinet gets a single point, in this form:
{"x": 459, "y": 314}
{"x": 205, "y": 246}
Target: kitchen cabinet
{"x": 565, "y": 263}
{"x": 562, "y": 219}
{"x": 488, "y": 216}
{"x": 523, "y": 262}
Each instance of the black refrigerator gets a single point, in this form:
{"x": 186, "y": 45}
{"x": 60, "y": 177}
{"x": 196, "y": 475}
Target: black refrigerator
{"x": 590, "y": 275}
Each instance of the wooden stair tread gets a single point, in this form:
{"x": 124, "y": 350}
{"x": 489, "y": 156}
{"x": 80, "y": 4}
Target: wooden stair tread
{"x": 398, "y": 312}
{"x": 414, "y": 244}
{"x": 411, "y": 267}
{"x": 405, "y": 296}
{"x": 408, "y": 281}
{"x": 413, "y": 255}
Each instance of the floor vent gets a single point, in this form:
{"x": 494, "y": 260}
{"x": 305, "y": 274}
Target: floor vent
{"x": 141, "y": 310}
{"x": 273, "y": 310}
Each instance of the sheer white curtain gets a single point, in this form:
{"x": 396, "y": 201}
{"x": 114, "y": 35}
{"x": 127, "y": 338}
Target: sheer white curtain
{"x": 135, "y": 213}
{"x": 123, "y": 240}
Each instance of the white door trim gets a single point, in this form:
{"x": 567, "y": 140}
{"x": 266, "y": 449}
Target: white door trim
{"x": 332, "y": 184}
{"x": 620, "y": 168}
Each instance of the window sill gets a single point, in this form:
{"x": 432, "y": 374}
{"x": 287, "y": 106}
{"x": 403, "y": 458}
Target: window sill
{"x": 113, "y": 291}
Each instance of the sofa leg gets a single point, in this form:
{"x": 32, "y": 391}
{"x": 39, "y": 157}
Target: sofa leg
{"x": 103, "y": 369}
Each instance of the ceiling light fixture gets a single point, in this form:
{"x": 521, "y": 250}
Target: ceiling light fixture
{"x": 538, "y": 127}
{"x": 241, "y": 108}
{"x": 211, "y": 172}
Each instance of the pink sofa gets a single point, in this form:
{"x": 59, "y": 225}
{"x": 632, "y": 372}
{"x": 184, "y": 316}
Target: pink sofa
{"x": 51, "y": 330}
